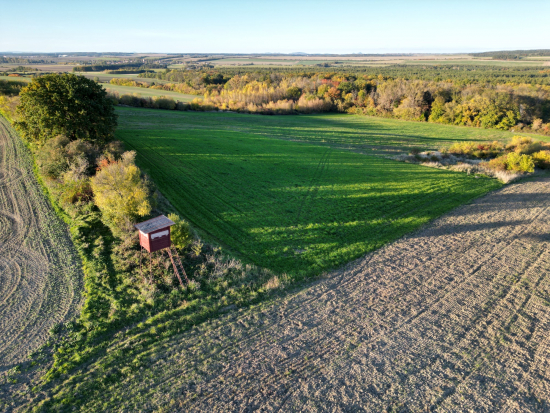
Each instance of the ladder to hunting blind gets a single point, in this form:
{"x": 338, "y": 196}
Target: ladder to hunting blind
{"x": 176, "y": 262}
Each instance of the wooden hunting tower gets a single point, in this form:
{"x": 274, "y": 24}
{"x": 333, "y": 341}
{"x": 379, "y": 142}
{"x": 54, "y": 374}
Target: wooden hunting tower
{"x": 154, "y": 235}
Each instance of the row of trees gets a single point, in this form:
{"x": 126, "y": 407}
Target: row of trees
{"x": 101, "y": 67}
{"x": 102, "y": 190}
{"x": 513, "y": 54}
{"x": 69, "y": 121}
{"x": 11, "y": 88}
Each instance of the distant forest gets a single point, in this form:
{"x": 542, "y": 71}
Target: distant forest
{"x": 457, "y": 73}
{"x": 513, "y": 54}
{"x": 472, "y": 95}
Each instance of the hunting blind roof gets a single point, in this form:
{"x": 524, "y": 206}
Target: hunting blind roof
{"x": 153, "y": 224}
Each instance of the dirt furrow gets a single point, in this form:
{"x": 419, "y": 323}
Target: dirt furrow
{"x": 40, "y": 273}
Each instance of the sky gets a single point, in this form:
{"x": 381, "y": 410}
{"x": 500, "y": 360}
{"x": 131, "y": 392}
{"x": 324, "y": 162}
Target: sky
{"x": 266, "y": 26}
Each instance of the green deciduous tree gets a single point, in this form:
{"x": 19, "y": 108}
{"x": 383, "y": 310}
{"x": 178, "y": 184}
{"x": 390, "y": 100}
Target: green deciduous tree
{"x": 294, "y": 93}
{"x": 68, "y": 105}
{"x": 120, "y": 192}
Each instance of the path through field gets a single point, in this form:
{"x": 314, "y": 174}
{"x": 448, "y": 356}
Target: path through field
{"x": 455, "y": 317}
{"x": 40, "y": 272}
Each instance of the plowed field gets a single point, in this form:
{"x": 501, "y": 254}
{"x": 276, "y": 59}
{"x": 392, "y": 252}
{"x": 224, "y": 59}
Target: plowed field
{"x": 40, "y": 272}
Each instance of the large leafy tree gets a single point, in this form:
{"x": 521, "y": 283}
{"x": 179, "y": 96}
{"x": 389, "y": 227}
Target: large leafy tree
{"x": 68, "y": 105}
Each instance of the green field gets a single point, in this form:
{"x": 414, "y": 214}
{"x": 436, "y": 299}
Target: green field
{"x": 146, "y": 92}
{"x": 15, "y": 79}
{"x": 106, "y": 77}
{"x": 295, "y": 206}
{"x": 126, "y": 90}
{"x": 371, "y": 135}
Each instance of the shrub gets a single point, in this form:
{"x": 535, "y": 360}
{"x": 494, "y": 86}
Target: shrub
{"x": 537, "y": 124}
{"x": 120, "y": 192}
{"x": 542, "y": 159}
{"x": 74, "y": 190}
{"x": 531, "y": 149}
{"x": 525, "y": 145}
{"x": 164, "y": 103}
{"x": 294, "y": 93}
{"x": 520, "y": 163}
{"x": 180, "y": 233}
{"x": 129, "y": 100}
{"x": 462, "y": 148}
{"x": 477, "y": 150}
{"x": 52, "y": 157}
{"x": 519, "y": 141}
{"x": 498, "y": 164}
{"x": 311, "y": 103}
{"x": 82, "y": 149}
{"x": 182, "y": 106}
{"x": 113, "y": 151}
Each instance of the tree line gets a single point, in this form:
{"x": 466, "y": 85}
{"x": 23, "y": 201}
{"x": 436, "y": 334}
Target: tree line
{"x": 502, "y": 105}
{"x": 463, "y": 74}
{"x": 121, "y": 66}
{"x": 512, "y": 54}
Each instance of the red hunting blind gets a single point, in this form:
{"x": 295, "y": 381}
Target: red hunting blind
{"x": 154, "y": 235}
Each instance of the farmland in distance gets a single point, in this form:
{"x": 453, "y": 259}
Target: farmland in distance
{"x": 299, "y": 206}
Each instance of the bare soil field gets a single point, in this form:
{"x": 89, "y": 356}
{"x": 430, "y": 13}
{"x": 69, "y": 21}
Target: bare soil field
{"x": 454, "y": 317}
{"x": 40, "y": 272}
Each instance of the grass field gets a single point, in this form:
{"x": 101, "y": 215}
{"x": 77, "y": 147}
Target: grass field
{"x": 292, "y": 206}
{"x": 371, "y": 135}
{"x": 146, "y": 92}
{"x": 125, "y": 90}
{"x": 106, "y": 77}
{"x": 15, "y": 79}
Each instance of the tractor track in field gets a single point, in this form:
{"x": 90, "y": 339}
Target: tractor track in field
{"x": 453, "y": 317}
{"x": 40, "y": 272}
{"x": 313, "y": 188}
{"x": 206, "y": 207}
